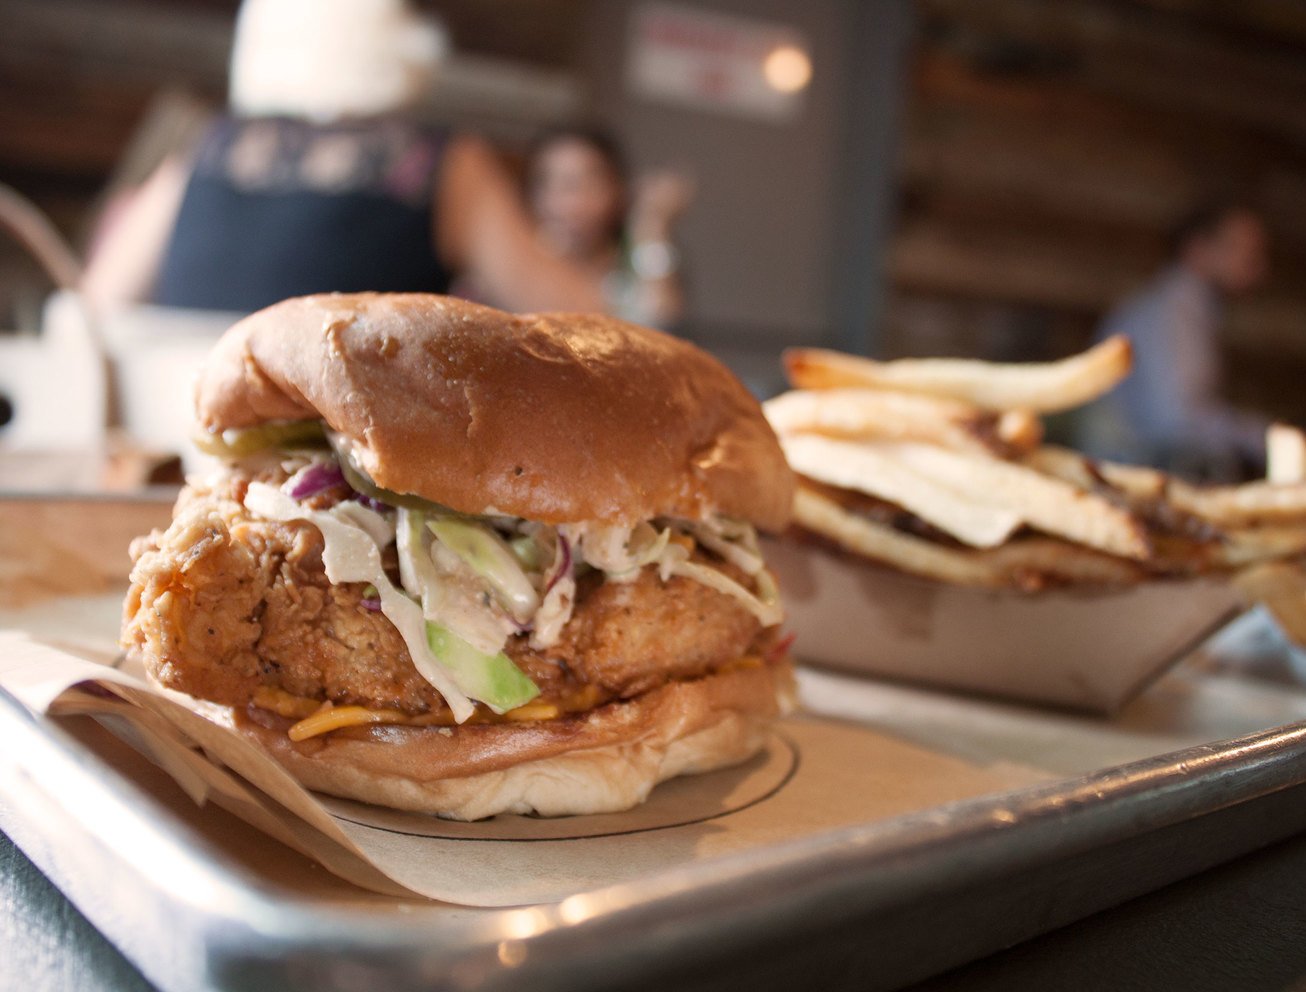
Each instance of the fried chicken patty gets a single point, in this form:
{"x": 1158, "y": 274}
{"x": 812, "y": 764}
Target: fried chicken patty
{"x": 223, "y": 602}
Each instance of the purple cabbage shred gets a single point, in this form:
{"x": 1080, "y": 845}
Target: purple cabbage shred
{"x": 318, "y": 479}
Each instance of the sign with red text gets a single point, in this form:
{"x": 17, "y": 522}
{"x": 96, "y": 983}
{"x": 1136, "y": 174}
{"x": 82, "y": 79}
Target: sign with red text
{"x": 720, "y": 62}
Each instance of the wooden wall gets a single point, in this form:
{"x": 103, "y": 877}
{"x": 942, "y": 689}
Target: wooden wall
{"x": 1049, "y": 147}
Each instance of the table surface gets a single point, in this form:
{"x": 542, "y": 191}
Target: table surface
{"x": 1238, "y": 927}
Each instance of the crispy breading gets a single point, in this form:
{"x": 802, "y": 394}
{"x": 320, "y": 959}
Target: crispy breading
{"x": 223, "y": 602}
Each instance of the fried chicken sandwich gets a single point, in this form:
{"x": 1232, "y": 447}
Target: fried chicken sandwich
{"x": 464, "y": 562}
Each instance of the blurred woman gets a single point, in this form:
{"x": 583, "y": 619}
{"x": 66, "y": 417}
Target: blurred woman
{"x": 312, "y": 182}
{"x": 579, "y": 195}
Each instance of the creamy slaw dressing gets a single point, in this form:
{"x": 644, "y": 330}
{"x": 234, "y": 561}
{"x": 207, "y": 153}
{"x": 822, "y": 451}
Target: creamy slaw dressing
{"x": 350, "y": 554}
{"x": 448, "y": 597}
{"x": 469, "y": 577}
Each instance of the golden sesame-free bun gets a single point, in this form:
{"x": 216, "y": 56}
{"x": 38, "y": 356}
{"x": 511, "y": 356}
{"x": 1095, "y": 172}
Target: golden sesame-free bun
{"x": 604, "y": 761}
{"x": 551, "y": 417}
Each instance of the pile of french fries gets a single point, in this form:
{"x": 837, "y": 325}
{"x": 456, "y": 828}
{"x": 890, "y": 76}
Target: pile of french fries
{"x": 937, "y": 467}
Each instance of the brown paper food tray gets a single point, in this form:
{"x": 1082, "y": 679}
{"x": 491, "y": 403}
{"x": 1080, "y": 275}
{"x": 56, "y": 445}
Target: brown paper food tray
{"x": 1080, "y": 648}
{"x": 199, "y": 899}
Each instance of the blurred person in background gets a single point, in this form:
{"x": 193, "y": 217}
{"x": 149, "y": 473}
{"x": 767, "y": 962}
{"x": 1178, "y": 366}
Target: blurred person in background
{"x": 313, "y": 182}
{"x": 1170, "y": 411}
{"x": 580, "y": 196}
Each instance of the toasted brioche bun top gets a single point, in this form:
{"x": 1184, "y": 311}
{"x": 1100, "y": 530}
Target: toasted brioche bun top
{"x": 551, "y": 417}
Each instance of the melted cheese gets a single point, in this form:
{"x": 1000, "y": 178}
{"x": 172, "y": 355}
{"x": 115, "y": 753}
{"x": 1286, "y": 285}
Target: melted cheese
{"x": 330, "y": 718}
{"x": 315, "y": 717}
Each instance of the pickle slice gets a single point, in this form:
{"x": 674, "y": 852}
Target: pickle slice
{"x": 361, "y": 482}
{"x": 238, "y": 443}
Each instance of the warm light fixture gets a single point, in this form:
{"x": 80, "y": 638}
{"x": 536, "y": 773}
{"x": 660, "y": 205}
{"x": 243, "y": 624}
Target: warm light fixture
{"x": 787, "y": 68}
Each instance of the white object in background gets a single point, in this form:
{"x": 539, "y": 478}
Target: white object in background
{"x": 154, "y": 355}
{"x": 331, "y": 59}
{"x": 53, "y": 385}
{"x": 56, "y": 386}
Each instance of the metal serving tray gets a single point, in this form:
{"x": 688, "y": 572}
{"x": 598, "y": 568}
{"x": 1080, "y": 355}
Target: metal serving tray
{"x": 198, "y": 900}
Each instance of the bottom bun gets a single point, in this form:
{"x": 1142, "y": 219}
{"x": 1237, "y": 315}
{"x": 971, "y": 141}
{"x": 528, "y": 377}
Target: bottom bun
{"x": 604, "y": 761}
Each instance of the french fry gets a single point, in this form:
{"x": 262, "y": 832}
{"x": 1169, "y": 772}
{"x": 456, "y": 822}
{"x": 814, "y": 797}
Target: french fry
{"x": 1020, "y": 430}
{"x": 1027, "y": 563}
{"x": 1037, "y": 557}
{"x": 1281, "y": 587}
{"x": 959, "y": 444}
{"x": 1045, "y": 503}
{"x": 1042, "y": 387}
{"x": 1285, "y": 454}
{"x": 1136, "y": 481}
{"x": 1064, "y": 464}
{"x": 871, "y": 414}
{"x": 878, "y": 542}
{"x": 1251, "y": 545}
{"x": 1233, "y": 506}
{"x": 1139, "y": 483}
{"x": 863, "y": 468}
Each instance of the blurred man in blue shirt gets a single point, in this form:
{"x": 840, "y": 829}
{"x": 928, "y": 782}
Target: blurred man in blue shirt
{"x": 1169, "y": 412}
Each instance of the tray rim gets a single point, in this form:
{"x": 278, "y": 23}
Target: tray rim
{"x": 739, "y": 897}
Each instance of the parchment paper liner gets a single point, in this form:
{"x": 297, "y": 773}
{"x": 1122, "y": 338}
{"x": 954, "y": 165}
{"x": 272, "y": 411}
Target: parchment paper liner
{"x": 815, "y": 776}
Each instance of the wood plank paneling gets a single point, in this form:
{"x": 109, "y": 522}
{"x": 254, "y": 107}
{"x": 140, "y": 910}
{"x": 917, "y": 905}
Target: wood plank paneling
{"x": 1165, "y": 59}
{"x": 1049, "y": 148}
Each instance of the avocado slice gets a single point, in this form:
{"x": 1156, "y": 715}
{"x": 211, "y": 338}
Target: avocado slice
{"x": 493, "y": 679}
{"x": 490, "y": 557}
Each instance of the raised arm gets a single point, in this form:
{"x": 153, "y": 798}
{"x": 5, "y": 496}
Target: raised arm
{"x": 483, "y": 231}
{"x": 128, "y": 249}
